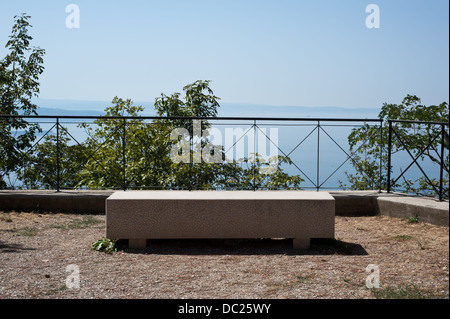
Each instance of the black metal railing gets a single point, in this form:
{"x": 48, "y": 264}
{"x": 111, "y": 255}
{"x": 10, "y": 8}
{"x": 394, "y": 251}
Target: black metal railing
{"x": 327, "y": 150}
{"x": 430, "y": 140}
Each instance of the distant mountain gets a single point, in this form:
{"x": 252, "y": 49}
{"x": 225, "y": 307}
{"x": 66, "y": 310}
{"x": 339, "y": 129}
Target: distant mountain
{"x": 94, "y": 108}
{"x": 64, "y": 112}
{"x": 80, "y": 107}
{"x": 252, "y": 110}
{"x": 71, "y": 105}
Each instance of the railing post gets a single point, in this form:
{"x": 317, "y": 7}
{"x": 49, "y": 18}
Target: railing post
{"x": 318, "y": 155}
{"x": 381, "y": 156}
{"x": 192, "y": 150}
{"x": 441, "y": 173}
{"x": 389, "y": 158}
{"x": 254, "y": 154}
{"x": 124, "y": 154}
{"x": 58, "y": 185}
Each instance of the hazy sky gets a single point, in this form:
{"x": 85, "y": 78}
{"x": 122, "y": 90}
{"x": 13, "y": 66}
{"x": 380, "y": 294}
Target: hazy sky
{"x": 311, "y": 53}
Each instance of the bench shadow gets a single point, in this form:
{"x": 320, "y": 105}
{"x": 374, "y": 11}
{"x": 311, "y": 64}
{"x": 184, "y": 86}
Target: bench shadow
{"x": 12, "y": 248}
{"x": 243, "y": 247}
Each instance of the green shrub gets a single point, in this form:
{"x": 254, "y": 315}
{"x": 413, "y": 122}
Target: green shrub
{"x": 413, "y": 220}
{"x": 105, "y": 244}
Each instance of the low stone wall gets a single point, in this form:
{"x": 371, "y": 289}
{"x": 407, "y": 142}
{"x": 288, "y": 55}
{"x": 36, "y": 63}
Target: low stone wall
{"x": 426, "y": 210}
{"x": 347, "y": 203}
{"x": 89, "y": 202}
{"x": 370, "y": 203}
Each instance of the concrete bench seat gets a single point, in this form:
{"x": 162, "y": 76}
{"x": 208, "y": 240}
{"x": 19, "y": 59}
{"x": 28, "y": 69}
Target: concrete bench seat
{"x": 142, "y": 215}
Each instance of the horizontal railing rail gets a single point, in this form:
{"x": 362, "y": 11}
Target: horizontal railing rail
{"x": 144, "y": 117}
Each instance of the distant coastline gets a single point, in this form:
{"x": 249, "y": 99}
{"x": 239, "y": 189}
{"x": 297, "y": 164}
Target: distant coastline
{"x": 97, "y": 108}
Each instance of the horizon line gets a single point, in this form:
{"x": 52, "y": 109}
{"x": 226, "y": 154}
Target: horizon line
{"x": 223, "y": 103}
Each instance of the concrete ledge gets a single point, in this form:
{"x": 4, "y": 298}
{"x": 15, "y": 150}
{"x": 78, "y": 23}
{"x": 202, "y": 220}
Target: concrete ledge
{"x": 51, "y": 201}
{"x": 347, "y": 203}
{"x": 356, "y": 203}
{"x": 427, "y": 210}
{"x": 372, "y": 203}
{"x": 141, "y": 215}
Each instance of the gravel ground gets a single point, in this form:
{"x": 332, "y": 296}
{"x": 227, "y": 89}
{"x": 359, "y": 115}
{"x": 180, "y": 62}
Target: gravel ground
{"x": 40, "y": 254}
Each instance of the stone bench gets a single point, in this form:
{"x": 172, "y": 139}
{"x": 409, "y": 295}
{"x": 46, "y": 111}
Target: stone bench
{"x": 142, "y": 215}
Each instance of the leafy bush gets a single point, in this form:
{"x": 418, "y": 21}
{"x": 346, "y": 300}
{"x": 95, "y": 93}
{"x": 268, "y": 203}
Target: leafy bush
{"x": 413, "y": 219}
{"x": 105, "y": 244}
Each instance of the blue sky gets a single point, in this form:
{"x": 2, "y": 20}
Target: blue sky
{"x": 284, "y": 52}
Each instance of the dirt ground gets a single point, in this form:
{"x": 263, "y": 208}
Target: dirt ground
{"x": 50, "y": 256}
